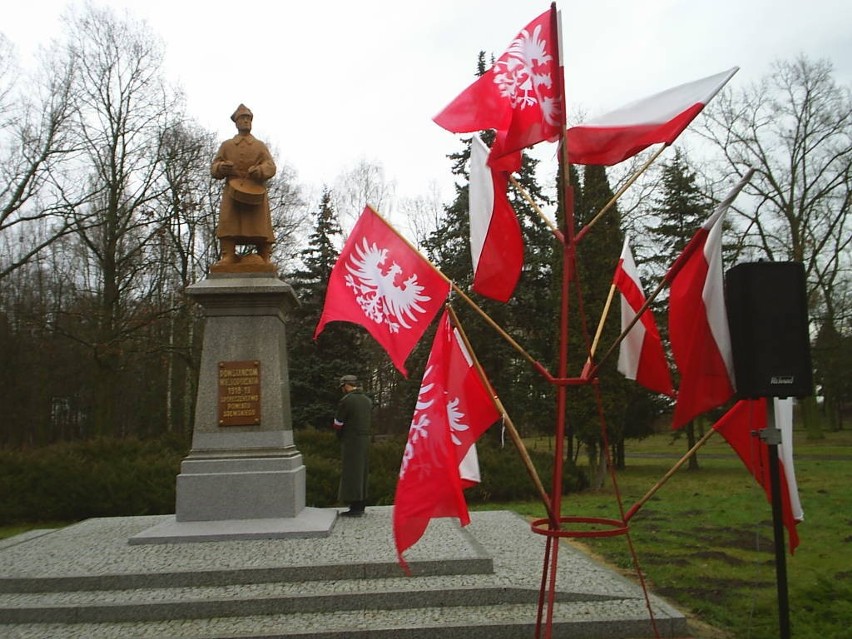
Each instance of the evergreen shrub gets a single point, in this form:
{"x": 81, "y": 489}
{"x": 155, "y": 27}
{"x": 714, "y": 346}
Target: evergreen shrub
{"x": 129, "y": 477}
{"x": 97, "y": 478}
{"x": 321, "y": 455}
{"x": 504, "y": 477}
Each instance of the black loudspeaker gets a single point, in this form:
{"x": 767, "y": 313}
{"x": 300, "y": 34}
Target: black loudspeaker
{"x": 768, "y": 318}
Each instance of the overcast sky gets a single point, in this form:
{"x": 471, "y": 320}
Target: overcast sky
{"x": 333, "y": 82}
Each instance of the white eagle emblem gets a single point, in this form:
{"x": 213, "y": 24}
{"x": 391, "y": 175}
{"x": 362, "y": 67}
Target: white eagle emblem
{"x": 418, "y": 433}
{"x": 456, "y": 419}
{"x": 376, "y": 289}
{"x": 525, "y": 76}
{"x": 420, "y": 422}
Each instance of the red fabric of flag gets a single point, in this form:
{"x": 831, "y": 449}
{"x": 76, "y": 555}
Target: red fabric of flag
{"x": 380, "y": 282}
{"x": 660, "y": 118}
{"x": 698, "y": 327}
{"x": 496, "y": 243}
{"x": 470, "y": 405}
{"x": 698, "y": 321}
{"x": 737, "y": 426}
{"x": 519, "y": 96}
{"x": 453, "y": 409}
{"x": 641, "y": 356}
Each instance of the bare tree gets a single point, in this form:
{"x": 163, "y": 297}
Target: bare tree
{"x": 795, "y": 129}
{"x": 290, "y": 215}
{"x": 122, "y": 110}
{"x": 184, "y": 248}
{"x": 187, "y": 203}
{"x": 363, "y": 184}
{"x": 422, "y": 213}
{"x": 7, "y": 71}
{"x": 35, "y": 146}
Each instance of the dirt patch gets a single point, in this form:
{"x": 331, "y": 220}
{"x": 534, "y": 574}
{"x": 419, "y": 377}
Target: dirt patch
{"x": 717, "y": 555}
{"x": 681, "y": 533}
{"x": 717, "y": 591}
{"x": 739, "y": 538}
{"x": 700, "y": 630}
{"x": 668, "y": 560}
{"x": 717, "y": 596}
{"x": 747, "y": 540}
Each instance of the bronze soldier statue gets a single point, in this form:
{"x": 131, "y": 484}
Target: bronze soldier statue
{"x": 246, "y": 164}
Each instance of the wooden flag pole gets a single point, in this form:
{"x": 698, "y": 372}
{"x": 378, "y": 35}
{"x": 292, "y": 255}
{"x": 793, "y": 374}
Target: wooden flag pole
{"x": 620, "y": 192}
{"x": 632, "y": 323}
{"x": 550, "y": 224}
{"x": 675, "y": 268}
{"x": 604, "y": 315}
{"x": 507, "y": 421}
{"x": 534, "y": 362}
{"x": 635, "y": 507}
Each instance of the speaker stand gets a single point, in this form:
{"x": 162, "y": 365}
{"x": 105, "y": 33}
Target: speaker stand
{"x": 772, "y": 436}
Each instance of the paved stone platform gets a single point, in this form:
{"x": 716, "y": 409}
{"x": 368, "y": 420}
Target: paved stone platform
{"x": 88, "y": 581}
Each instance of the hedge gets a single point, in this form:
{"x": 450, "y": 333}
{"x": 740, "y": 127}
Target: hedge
{"x": 129, "y": 477}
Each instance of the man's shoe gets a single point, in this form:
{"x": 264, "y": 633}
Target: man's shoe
{"x": 352, "y": 513}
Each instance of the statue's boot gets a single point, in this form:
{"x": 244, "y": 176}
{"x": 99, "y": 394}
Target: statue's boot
{"x": 229, "y": 252}
{"x": 264, "y": 249}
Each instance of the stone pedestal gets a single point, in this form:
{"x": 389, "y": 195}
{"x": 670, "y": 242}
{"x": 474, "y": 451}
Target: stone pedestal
{"x": 243, "y": 466}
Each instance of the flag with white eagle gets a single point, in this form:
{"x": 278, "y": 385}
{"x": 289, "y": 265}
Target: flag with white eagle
{"x": 383, "y": 284}
{"x": 519, "y": 96}
{"x": 454, "y": 407}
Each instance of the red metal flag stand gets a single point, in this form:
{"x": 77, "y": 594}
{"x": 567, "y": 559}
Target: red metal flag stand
{"x": 554, "y": 527}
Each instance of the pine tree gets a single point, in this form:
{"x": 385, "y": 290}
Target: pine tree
{"x": 680, "y": 209}
{"x": 559, "y": 267}
{"x": 597, "y": 256}
{"x": 316, "y": 365}
{"x": 529, "y": 317}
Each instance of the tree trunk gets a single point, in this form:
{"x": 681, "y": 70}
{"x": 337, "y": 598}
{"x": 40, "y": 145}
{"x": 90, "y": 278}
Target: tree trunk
{"x": 690, "y": 442}
{"x": 618, "y": 455}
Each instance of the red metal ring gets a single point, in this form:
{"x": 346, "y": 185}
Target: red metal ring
{"x": 616, "y": 527}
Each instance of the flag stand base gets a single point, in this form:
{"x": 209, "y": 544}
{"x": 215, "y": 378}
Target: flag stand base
{"x": 615, "y": 527}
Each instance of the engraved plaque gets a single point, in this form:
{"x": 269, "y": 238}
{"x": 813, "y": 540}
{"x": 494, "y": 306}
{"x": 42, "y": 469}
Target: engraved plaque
{"x": 239, "y": 393}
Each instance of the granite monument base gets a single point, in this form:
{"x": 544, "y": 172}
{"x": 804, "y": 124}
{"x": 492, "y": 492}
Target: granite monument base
{"x": 244, "y": 477}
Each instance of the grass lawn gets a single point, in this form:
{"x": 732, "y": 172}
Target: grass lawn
{"x": 705, "y": 540}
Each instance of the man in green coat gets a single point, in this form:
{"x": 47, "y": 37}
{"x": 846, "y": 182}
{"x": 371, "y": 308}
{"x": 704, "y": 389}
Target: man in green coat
{"x": 352, "y": 423}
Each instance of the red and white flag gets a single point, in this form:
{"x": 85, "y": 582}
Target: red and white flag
{"x": 784, "y": 422}
{"x": 640, "y": 356}
{"x": 660, "y": 118}
{"x": 382, "y": 283}
{"x": 698, "y": 321}
{"x": 519, "y": 96}
{"x": 496, "y": 244}
{"x": 737, "y": 426}
{"x": 454, "y": 407}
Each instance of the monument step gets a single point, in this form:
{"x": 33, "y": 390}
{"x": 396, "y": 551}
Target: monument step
{"x": 72, "y": 582}
{"x": 622, "y": 619}
{"x": 280, "y": 574}
{"x": 230, "y": 601}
